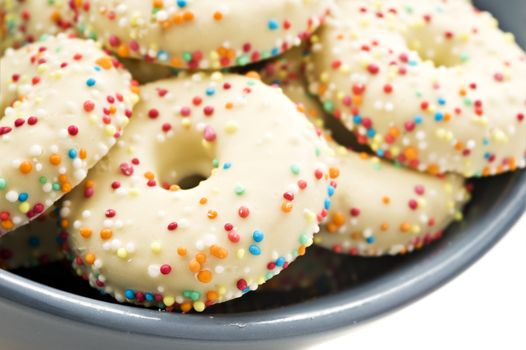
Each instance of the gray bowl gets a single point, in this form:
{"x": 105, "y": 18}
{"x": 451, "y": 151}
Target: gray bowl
{"x": 39, "y": 315}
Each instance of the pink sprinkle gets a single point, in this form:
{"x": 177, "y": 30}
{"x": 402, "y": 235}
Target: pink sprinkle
{"x": 209, "y": 134}
{"x": 243, "y": 212}
{"x": 126, "y": 169}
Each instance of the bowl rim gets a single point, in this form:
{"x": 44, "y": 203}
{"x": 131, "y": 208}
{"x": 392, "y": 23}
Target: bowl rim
{"x": 327, "y": 313}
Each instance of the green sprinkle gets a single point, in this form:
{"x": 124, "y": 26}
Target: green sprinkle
{"x": 215, "y": 163}
{"x": 304, "y": 239}
{"x": 3, "y": 184}
{"x": 56, "y": 186}
{"x": 295, "y": 169}
{"x": 42, "y": 180}
{"x": 239, "y": 190}
{"x": 328, "y": 106}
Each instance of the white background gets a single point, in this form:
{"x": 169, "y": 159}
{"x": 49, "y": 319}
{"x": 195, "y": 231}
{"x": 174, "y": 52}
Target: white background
{"x": 483, "y": 308}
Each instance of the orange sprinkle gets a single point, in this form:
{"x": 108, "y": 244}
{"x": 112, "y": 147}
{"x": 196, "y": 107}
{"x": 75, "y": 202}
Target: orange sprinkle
{"x": 149, "y": 175}
{"x": 212, "y": 295}
{"x": 181, "y": 251}
{"x": 25, "y": 167}
{"x": 123, "y": 51}
{"x": 66, "y": 187}
{"x": 158, "y": 4}
{"x": 286, "y": 207}
{"x": 229, "y": 105}
{"x": 218, "y": 16}
{"x": 204, "y": 276}
{"x": 411, "y": 153}
{"x": 7, "y": 224}
{"x": 203, "y": 201}
{"x": 212, "y": 214}
{"x": 85, "y": 232}
{"x": 334, "y": 172}
{"x": 83, "y": 153}
{"x": 384, "y": 227}
{"x": 405, "y": 227}
{"x": 89, "y": 184}
{"x": 64, "y": 223}
{"x": 194, "y": 266}
{"x": 62, "y": 178}
{"x": 89, "y": 258}
{"x": 200, "y": 258}
{"x": 386, "y": 200}
{"x": 188, "y": 16}
{"x": 253, "y": 75}
{"x": 301, "y": 250}
{"x": 104, "y": 62}
{"x": 106, "y": 234}
{"x": 433, "y": 169}
{"x": 331, "y": 228}
{"x": 338, "y": 218}
{"x": 218, "y": 252}
{"x": 186, "y": 306}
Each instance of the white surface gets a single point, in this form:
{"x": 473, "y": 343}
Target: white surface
{"x": 484, "y": 308}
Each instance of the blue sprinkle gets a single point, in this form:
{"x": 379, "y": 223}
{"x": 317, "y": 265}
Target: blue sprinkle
{"x": 327, "y": 204}
{"x": 258, "y": 236}
{"x": 380, "y": 153}
{"x": 357, "y": 119}
{"x": 485, "y": 141}
{"x": 439, "y": 116}
{"x": 441, "y": 101}
{"x": 210, "y": 91}
{"x": 273, "y": 24}
{"x": 181, "y": 3}
{"x": 72, "y": 153}
{"x": 487, "y": 155}
{"x": 149, "y": 297}
{"x": 91, "y": 82}
{"x": 371, "y": 240}
{"x": 412, "y": 63}
{"x": 280, "y": 262}
{"x": 227, "y": 166}
{"x": 275, "y": 51}
{"x": 418, "y": 119}
{"x": 22, "y": 197}
{"x": 162, "y": 55}
{"x": 371, "y": 132}
{"x": 34, "y": 242}
{"x": 254, "y": 250}
{"x": 129, "y": 294}
{"x": 330, "y": 191}
{"x": 97, "y": 69}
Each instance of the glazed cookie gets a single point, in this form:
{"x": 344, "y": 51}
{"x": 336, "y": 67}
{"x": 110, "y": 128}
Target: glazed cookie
{"x": 34, "y": 244}
{"x": 198, "y": 33}
{"x": 137, "y": 235}
{"x": 422, "y": 87}
{"x": 379, "y": 208}
{"x": 64, "y": 104}
{"x": 25, "y": 21}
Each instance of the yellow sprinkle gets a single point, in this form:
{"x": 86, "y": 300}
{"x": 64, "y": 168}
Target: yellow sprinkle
{"x": 168, "y": 301}
{"x": 221, "y": 289}
{"x": 122, "y": 253}
{"x": 156, "y": 247}
{"x": 231, "y": 127}
{"x": 24, "y": 207}
{"x": 240, "y": 253}
{"x": 199, "y": 306}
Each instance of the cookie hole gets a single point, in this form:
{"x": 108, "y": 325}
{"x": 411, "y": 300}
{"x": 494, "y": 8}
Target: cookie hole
{"x": 434, "y": 46}
{"x": 191, "y": 181}
{"x": 186, "y": 160}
